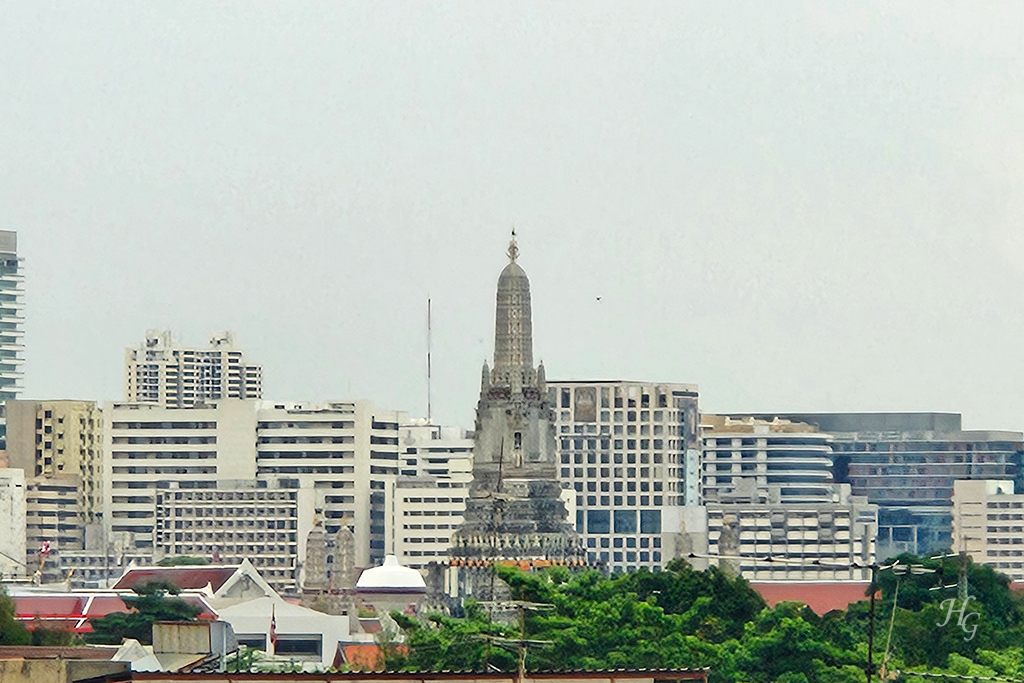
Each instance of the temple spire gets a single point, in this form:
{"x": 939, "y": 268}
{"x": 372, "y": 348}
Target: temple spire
{"x": 513, "y": 248}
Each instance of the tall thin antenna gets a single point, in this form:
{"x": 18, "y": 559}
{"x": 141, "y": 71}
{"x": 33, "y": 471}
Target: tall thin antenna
{"x": 430, "y": 412}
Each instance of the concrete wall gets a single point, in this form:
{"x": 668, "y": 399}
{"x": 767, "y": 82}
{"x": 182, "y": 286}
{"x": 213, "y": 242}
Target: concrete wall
{"x": 56, "y": 670}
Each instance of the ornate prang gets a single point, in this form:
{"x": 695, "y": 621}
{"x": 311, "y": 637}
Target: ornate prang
{"x": 514, "y": 510}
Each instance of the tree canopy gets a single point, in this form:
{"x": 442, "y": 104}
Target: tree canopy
{"x": 686, "y": 618}
{"x": 152, "y": 605}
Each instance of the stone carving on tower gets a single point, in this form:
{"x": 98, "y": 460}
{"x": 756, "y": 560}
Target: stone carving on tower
{"x": 514, "y": 510}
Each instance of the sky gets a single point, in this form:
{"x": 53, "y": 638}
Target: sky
{"x": 798, "y": 206}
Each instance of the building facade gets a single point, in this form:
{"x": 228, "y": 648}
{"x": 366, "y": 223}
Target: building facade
{"x": 13, "y": 559}
{"x": 988, "y": 524}
{"x": 169, "y": 374}
{"x": 233, "y": 523}
{"x": 59, "y": 446}
{"x": 514, "y": 508}
{"x": 335, "y": 463}
{"x": 906, "y": 463}
{"x": 12, "y": 323}
{"x": 774, "y": 511}
{"x": 630, "y": 454}
{"x": 436, "y": 469}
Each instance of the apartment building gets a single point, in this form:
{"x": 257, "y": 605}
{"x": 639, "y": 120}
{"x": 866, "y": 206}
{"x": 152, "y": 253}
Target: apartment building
{"x": 12, "y": 521}
{"x": 58, "y": 444}
{"x": 255, "y": 521}
{"x": 907, "y": 463}
{"x": 988, "y": 524}
{"x": 769, "y": 493}
{"x": 12, "y": 316}
{"x": 173, "y": 375}
{"x": 435, "y": 470}
{"x": 630, "y": 452}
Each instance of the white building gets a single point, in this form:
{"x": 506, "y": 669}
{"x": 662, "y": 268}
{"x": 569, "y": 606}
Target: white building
{"x": 248, "y": 521}
{"x": 343, "y": 456}
{"x": 792, "y": 459}
{"x": 769, "y": 493}
{"x": 340, "y": 459}
{"x": 12, "y": 521}
{"x": 164, "y": 372}
{"x": 630, "y": 451}
{"x": 988, "y": 523}
{"x": 435, "y": 470}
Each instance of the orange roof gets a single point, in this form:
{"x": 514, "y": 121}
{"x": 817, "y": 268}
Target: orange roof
{"x": 820, "y": 596}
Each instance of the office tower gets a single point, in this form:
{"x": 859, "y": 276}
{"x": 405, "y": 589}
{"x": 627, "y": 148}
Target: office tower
{"x": 769, "y": 493}
{"x": 988, "y": 524}
{"x": 13, "y": 561}
{"x": 435, "y": 471}
{"x": 514, "y": 509}
{"x": 906, "y": 463}
{"x": 58, "y": 444}
{"x": 169, "y": 374}
{"x": 630, "y": 453}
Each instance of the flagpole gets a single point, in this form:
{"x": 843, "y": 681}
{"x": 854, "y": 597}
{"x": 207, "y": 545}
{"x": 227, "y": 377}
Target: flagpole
{"x": 273, "y": 630}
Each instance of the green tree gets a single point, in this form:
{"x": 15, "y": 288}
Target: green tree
{"x": 152, "y": 605}
{"x": 12, "y": 631}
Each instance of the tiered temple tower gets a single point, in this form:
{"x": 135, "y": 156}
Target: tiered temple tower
{"x": 514, "y": 510}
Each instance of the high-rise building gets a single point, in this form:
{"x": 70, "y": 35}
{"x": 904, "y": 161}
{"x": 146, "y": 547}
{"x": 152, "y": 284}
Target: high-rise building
{"x": 988, "y": 524}
{"x": 13, "y": 560}
{"x": 630, "y": 454}
{"x": 12, "y": 322}
{"x": 514, "y": 509}
{"x": 773, "y": 509}
{"x": 169, "y": 374}
{"x": 906, "y": 463}
{"x": 435, "y": 471}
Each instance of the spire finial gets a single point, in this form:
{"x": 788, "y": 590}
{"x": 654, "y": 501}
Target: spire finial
{"x": 513, "y": 249}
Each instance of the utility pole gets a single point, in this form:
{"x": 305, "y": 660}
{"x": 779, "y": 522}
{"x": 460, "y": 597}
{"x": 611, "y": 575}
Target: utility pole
{"x": 870, "y": 671}
{"x": 961, "y": 578}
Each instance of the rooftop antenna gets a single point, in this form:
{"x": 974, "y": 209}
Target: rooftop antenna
{"x": 430, "y": 414}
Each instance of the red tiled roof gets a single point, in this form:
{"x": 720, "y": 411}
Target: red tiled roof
{"x": 191, "y": 577}
{"x": 821, "y": 597}
{"x": 28, "y": 606}
{"x": 71, "y": 612}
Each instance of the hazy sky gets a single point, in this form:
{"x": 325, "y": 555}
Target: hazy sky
{"x": 797, "y": 206}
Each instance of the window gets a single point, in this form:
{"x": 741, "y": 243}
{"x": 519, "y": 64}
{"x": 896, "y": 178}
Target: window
{"x": 518, "y": 440}
{"x": 625, "y": 521}
{"x": 598, "y": 521}
{"x": 650, "y": 521}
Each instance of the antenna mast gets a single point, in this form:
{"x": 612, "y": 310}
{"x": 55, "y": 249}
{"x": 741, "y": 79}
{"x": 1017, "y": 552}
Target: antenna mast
{"x": 430, "y": 414}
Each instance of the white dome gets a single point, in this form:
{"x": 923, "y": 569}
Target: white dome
{"x": 391, "y": 577}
